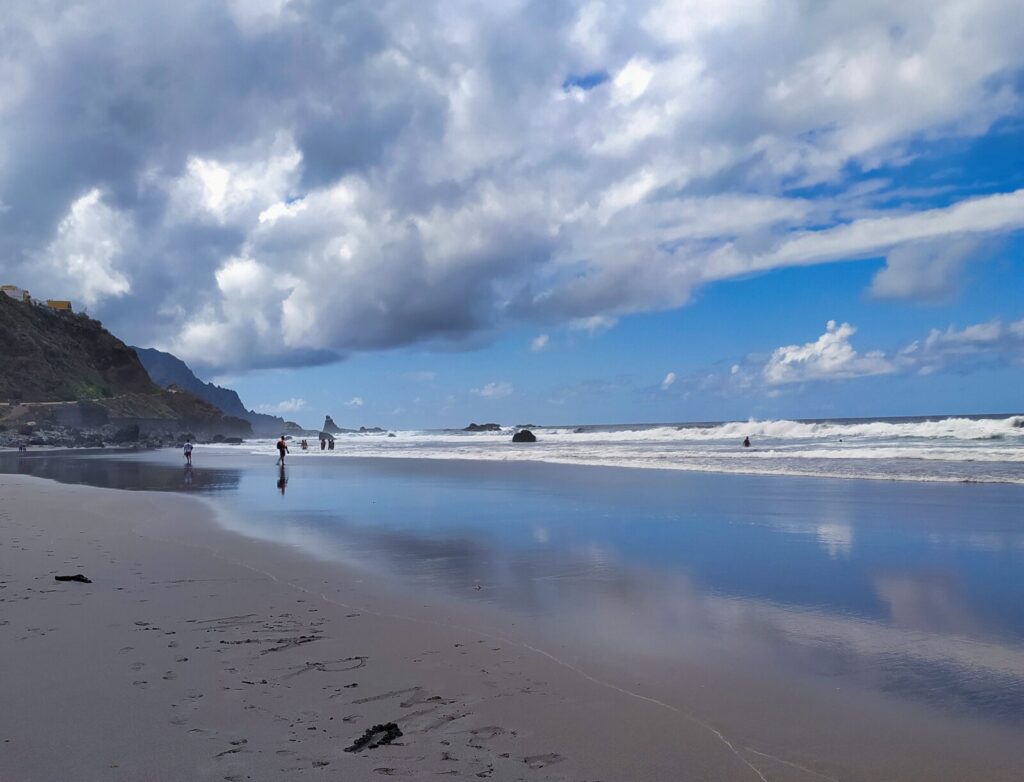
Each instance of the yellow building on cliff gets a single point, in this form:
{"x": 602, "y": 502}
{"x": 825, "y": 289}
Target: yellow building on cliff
{"x": 20, "y": 294}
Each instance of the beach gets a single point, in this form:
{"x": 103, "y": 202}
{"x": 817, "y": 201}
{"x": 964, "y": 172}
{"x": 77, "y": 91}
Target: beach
{"x": 229, "y": 638}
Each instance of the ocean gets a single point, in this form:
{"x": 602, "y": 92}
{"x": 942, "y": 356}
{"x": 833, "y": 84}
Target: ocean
{"x": 984, "y": 449}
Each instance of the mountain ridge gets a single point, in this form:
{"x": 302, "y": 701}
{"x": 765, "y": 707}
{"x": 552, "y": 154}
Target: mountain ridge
{"x": 166, "y": 370}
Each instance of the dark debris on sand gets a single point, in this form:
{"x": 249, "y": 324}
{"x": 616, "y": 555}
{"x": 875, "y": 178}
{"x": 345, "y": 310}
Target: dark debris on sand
{"x": 77, "y": 577}
{"x": 375, "y": 737}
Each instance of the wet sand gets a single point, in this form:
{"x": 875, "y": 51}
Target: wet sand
{"x": 197, "y": 653}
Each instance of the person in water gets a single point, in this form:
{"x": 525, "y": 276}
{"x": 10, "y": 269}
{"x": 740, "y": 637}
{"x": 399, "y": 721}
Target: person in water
{"x": 746, "y": 442}
{"x": 188, "y": 453}
{"x": 282, "y": 449}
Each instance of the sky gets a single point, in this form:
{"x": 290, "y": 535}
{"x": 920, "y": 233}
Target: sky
{"x": 409, "y": 214}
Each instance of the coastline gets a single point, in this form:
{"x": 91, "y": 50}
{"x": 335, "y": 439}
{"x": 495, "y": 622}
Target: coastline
{"x": 274, "y": 639}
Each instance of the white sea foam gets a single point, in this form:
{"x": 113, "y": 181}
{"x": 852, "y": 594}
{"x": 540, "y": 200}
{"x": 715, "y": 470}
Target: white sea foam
{"x": 948, "y": 449}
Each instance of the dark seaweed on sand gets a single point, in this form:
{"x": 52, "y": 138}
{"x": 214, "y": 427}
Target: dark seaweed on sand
{"x": 375, "y": 737}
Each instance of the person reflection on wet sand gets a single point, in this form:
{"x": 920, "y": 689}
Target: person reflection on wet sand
{"x": 188, "y": 476}
{"x": 282, "y": 480}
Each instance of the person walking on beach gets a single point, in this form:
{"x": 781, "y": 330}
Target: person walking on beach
{"x": 188, "y": 453}
{"x": 282, "y": 449}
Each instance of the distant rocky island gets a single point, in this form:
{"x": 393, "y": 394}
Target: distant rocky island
{"x": 482, "y": 428}
{"x": 332, "y": 428}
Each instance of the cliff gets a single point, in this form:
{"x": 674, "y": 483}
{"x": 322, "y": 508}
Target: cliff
{"x": 166, "y": 370}
{"x": 64, "y": 370}
{"x": 49, "y": 356}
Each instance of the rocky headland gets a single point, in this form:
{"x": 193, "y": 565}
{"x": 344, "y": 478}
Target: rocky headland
{"x": 67, "y": 381}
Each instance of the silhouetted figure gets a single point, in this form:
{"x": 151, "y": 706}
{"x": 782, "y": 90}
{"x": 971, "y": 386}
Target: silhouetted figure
{"x": 305, "y": 445}
{"x": 282, "y": 449}
{"x": 330, "y": 445}
{"x": 282, "y": 480}
{"x": 188, "y": 453}
{"x": 323, "y": 443}
{"x": 746, "y": 442}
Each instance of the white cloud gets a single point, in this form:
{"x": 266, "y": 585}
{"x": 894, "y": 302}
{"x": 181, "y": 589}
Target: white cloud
{"x": 453, "y": 187}
{"x": 926, "y": 271}
{"x": 539, "y": 343}
{"x": 595, "y": 324}
{"x": 832, "y": 357}
{"x": 868, "y": 237}
{"x": 494, "y": 390}
{"x": 293, "y": 405}
{"x": 829, "y": 357}
{"x": 962, "y": 347}
{"x": 89, "y": 242}
{"x": 668, "y": 382}
{"x": 356, "y": 401}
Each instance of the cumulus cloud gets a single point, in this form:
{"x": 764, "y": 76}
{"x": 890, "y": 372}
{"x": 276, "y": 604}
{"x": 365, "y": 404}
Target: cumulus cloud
{"x": 980, "y": 342}
{"x": 494, "y": 390}
{"x": 539, "y": 343}
{"x": 293, "y": 405}
{"x": 618, "y": 156}
{"x": 668, "y": 382}
{"x": 829, "y": 357}
{"x": 833, "y": 357}
{"x": 83, "y": 256}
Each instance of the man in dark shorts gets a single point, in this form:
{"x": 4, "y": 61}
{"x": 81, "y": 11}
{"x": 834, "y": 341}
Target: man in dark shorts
{"x": 282, "y": 449}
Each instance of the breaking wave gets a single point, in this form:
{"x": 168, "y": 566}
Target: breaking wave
{"x": 982, "y": 449}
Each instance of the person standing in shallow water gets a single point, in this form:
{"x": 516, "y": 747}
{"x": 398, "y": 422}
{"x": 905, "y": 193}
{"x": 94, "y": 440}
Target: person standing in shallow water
{"x": 188, "y": 453}
{"x": 282, "y": 449}
{"x": 746, "y": 442}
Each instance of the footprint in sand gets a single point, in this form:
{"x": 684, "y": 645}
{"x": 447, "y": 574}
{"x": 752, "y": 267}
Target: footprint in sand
{"x": 484, "y": 734}
{"x": 540, "y": 761}
{"x": 169, "y": 676}
{"x": 140, "y": 683}
{"x": 137, "y": 666}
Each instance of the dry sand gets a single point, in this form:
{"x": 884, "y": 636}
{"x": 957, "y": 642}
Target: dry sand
{"x": 199, "y": 654}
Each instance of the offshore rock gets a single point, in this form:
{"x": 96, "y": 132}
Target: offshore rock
{"x": 524, "y": 436}
{"x": 483, "y": 428}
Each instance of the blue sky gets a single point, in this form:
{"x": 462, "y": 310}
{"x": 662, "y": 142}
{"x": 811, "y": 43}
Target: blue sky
{"x": 590, "y": 211}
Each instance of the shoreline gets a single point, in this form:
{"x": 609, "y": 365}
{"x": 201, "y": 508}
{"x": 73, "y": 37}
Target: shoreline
{"x": 680, "y": 467}
{"x": 275, "y": 639}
